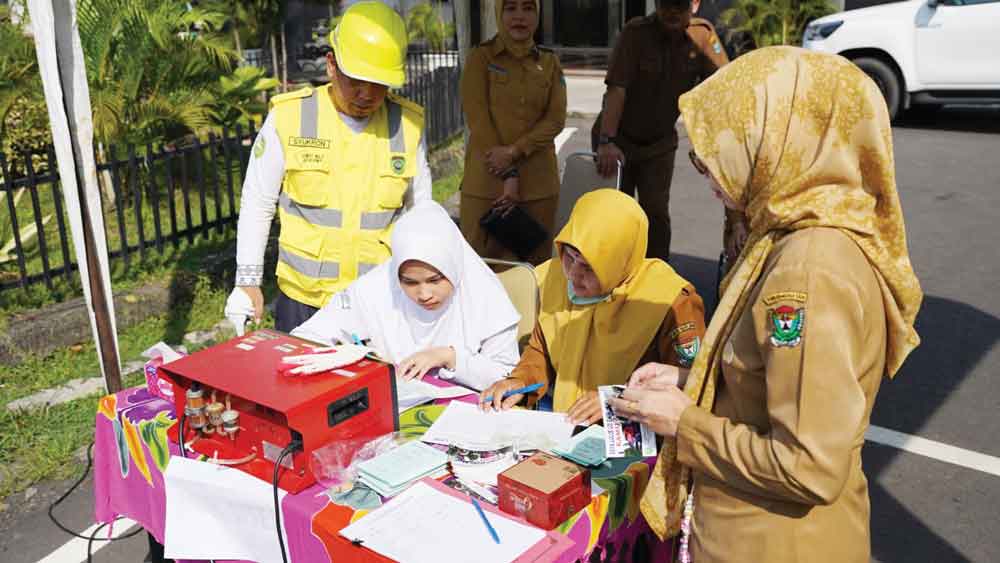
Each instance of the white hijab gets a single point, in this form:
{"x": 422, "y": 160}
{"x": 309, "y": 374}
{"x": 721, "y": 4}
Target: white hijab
{"x": 478, "y": 309}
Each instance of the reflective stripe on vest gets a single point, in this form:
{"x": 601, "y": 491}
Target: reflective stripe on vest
{"x": 377, "y": 220}
{"x": 321, "y": 216}
{"x": 364, "y": 268}
{"x": 309, "y": 121}
{"x": 307, "y": 267}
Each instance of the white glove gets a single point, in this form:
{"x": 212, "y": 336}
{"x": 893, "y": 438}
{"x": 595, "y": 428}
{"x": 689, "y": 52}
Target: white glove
{"x": 326, "y": 359}
{"x": 238, "y": 308}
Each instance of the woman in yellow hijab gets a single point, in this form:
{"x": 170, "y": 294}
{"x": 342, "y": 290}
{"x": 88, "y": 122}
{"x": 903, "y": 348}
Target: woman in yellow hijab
{"x": 764, "y": 455}
{"x": 514, "y": 100}
{"x": 606, "y": 309}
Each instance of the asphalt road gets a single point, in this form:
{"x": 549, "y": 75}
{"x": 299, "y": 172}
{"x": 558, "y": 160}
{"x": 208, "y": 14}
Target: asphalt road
{"x": 923, "y": 510}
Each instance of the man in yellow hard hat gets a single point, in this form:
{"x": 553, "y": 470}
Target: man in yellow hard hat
{"x": 341, "y": 163}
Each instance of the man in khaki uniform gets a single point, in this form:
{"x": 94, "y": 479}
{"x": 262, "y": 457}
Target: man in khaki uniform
{"x": 656, "y": 59}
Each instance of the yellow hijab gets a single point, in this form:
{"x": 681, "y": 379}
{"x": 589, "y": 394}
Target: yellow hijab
{"x": 517, "y": 48}
{"x": 802, "y": 139}
{"x": 600, "y": 344}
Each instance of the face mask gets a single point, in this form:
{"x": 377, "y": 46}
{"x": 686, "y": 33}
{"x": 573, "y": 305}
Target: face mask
{"x": 577, "y": 300}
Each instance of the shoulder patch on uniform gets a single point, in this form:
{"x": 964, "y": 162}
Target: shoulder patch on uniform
{"x": 298, "y": 94}
{"x": 687, "y": 351}
{"x": 786, "y": 326}
{"x": 259, "y": 146}
{"x": 797, "y": 296}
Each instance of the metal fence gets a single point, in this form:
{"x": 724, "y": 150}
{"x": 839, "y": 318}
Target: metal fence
{"x": 432, "y": 79}
{"x": 152, "y": 197}
{"x": 155, "y": 197}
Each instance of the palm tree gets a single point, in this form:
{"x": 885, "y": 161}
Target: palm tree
{"x": 151, "y": 65}
{"x": 424, "y": 22}
{"x": 772, "y": 22}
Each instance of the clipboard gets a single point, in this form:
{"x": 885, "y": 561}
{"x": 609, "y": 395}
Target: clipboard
{"x": 549, "y": 548}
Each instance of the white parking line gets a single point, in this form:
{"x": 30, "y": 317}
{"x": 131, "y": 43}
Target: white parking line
{"x": 934, "y": 450}
{"x": 75, "y": 550}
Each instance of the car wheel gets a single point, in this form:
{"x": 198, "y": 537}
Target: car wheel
{"x": 885, "y": 78}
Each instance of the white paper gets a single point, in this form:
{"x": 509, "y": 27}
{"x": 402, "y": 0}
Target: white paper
{"x": 483, "y": 472}
{"x": 413, "y": 392}
{"x": 464, "y": 425}
{"x": 216, "y": 512}
{"x": 161, "y": 350}
{"x": 413, "y": 527}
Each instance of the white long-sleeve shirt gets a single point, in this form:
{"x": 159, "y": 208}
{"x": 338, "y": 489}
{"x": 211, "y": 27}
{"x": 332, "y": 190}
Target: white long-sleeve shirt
{"x": 262, "y": 185}
{"x": 476, "y": 369}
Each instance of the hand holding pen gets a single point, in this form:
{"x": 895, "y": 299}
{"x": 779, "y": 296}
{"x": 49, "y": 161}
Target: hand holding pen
{"x": 505, "y": 393}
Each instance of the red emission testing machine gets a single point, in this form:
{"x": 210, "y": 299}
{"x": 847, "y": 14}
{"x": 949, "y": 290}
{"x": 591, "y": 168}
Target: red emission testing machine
{"x": 236, "y": 407}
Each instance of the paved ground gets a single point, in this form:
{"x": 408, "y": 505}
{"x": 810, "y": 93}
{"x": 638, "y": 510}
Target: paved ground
{"x": 922, "y": 509}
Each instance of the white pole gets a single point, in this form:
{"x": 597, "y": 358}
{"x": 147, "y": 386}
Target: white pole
{"x": 64, "y": 80}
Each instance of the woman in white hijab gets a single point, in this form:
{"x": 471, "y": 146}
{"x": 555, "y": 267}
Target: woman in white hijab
{"x": 434, "y": 305}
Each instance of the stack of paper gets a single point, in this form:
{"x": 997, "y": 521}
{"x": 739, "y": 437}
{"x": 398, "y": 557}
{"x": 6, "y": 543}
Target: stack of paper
{"x": 464, "y": 425}
{"x": 413, "y": 392}
{"x": 586, "y": 448}
{"x": 392, "y": 472}
{"x": 427, "y": 525}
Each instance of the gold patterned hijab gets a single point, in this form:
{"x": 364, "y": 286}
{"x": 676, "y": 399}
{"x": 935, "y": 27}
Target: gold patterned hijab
{"x": 517, "y": 48}
{"x": 802, "y": 139}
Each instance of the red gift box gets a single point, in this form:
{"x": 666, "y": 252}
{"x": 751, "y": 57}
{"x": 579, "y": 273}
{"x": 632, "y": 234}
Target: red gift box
{"x": 544, "y": 489}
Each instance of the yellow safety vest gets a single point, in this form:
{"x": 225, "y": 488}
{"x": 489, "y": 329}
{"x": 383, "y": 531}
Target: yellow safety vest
{"x": 342, "y": 190}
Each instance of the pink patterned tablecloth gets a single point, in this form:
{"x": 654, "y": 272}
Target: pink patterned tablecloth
{"x": 132, "y": 451}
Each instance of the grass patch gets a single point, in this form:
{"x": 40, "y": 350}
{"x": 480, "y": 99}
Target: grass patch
{"x": 445, "y": 187}
{"x": 40, "y": 444}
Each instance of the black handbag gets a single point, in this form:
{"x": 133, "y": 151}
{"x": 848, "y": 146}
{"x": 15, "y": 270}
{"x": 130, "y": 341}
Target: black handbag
{"x": 516, "y": 230}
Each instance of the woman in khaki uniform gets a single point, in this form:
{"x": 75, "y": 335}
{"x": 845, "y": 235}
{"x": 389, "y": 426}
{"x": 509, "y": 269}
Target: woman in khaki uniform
{"x": 606, "y": 309}
{"x": 514, "y": 99}
{"x": 818, "y": 308}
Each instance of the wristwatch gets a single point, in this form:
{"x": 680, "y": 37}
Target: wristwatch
{"x": 603, "y": 139}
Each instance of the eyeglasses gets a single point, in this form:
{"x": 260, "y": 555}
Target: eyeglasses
{"x": 697, "y": 163}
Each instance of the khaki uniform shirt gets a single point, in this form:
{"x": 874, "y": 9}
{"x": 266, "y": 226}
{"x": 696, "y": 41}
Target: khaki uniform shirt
{"x": 777, "y": 463}
{"x": 676, "y": 343}
{"x": 511, "y": 101}
{"x": 655, "y": 68}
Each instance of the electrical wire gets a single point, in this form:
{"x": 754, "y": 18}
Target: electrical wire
{"x": 291, "y": 447}
{"x": 92, "y": 537}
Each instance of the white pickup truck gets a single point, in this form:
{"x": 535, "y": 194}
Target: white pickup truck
{"x": 919, "y": 52}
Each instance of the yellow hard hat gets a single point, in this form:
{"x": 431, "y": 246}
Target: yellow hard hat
{"x": 370, "y": 44}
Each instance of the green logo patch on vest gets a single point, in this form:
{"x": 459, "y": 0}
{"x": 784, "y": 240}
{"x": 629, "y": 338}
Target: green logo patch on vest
{"x": 786, "y": 326}
{"x": 687, "y": 351}
{"x": 398, "y": 164}
{"x": 309, "y": 142}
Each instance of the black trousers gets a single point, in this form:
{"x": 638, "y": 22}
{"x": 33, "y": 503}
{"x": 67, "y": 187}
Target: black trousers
{"x": 289, "y": 313}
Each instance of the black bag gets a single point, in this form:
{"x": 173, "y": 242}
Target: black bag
{"x": 517, "y": 231}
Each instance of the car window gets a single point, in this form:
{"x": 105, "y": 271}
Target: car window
{"x": 969, "y": 2}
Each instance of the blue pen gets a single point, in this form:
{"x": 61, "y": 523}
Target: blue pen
{"x": 486, "y": 521}
{"x": 522, "y": 390}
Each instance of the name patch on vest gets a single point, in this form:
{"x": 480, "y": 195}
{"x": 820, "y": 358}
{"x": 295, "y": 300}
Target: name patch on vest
{"x": 309, "y": 142}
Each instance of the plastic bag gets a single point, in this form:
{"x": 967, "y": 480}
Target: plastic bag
{"x": 335, "y": 465}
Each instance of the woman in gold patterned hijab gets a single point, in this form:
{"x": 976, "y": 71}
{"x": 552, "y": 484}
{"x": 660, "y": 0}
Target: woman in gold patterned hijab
{"x": 764, "y": 442}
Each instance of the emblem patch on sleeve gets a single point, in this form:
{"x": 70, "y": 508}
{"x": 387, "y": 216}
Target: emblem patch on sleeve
{"x": 786, "y": 326}
{"x": 259, "y": 146}
{"x": 398, "y": 163}
{"x": 687, "y": 351}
